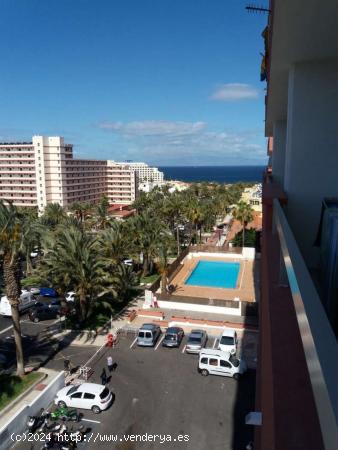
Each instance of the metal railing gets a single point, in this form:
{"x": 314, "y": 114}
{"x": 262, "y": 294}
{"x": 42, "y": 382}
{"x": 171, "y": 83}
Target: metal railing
{"x": 319, "y": 343}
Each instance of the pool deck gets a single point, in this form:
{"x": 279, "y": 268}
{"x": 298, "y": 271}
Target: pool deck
{"x": 246, "y": 282}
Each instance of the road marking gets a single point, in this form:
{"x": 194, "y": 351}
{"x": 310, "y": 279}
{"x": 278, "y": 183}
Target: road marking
{"x": 133, "y": 342}
{"x": 159, "y": 342}
{"x": 214, "y": 345}
{"x": 183, "y": 350}
{"x": 6, "y": 329}
{"x": 90, "y": 420}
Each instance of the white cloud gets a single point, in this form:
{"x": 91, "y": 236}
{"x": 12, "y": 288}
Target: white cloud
{"x": 153, "y": 128}
{"x": 234, "y": 92}
{"x": 184, "y": 143}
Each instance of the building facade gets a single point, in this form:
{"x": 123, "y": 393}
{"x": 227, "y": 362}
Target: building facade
{"x": 122, "y": 183}
{"x": 297, "y": 389}
{"x": 44, "y": 171}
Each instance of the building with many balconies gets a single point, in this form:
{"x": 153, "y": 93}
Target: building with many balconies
{"x": 44, "y": 171}
{"x": 297, "y": 389}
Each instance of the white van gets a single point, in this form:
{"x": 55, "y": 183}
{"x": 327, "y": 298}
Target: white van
{"x": 27, "y": 300}
{"x": 216, "y": 362}
{"x": 228, "y": 341}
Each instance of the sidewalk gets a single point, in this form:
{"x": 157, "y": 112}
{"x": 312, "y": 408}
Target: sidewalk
{"x": 29, "y": 397}
{"x": 120, "y": 320}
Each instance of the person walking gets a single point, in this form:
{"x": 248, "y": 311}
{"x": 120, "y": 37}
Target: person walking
{"x": 103, "y": 377}
{"x": 110, "y": 364}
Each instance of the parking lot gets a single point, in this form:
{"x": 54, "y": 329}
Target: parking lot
{"x": 158, "y": 391}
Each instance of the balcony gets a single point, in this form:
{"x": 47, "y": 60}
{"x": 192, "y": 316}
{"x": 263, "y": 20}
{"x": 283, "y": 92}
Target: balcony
{"x": 297, "y": 389}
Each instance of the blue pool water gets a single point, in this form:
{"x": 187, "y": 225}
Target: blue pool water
{"x": 214, "y": 274}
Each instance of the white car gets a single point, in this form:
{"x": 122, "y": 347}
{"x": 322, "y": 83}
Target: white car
{"x": 228, "y": 341}
{"x": 86, "y": 396}
{"x": 225, "y": 364}
{"x": 70, "y": 296}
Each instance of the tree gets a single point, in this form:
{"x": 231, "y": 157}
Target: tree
{"x": 11, "y": 238}
{"x": 244, "y": 213}
{"x": 164, "y": 247}
{"x": 145, "y": 230}
{"x": 173, "y": 213}
{"x": 74, "y": 262}
{"x": 53, "y": 215}
{"x": 102, "y": 213}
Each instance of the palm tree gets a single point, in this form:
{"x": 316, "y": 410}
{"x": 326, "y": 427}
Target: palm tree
{"x": 244, "y": 213}
{"x": 102, "y": 213}
{"x": 74, "y": 261}
{"x": 146, "y": 230}
{"x": 53, "y": 215}
{"x": 81, "y": 210}
{"x": 163, "y": 249}
{"x": 115, "y": 243}
{"x": 173, "y": 211}
{"x": 11, "y": 238}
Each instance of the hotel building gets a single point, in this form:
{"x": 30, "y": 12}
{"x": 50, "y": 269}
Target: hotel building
{"x": 44, "y": 171}
{"x": 297, "y": 374}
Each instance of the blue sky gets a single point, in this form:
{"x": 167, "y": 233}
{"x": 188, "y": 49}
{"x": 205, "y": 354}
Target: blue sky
{"x": 169, "y": 82}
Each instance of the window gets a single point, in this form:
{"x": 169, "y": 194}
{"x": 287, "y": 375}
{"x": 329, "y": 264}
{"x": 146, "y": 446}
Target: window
{"x": 77, "y": 395}
{"x": 204, "y": 360}
{"x": 213, "y": 362}
{"x": 104, "y": 393}
{"x": 88, "y": 396}
{"x": 227, "y": 340}
{"x": 224, "y": 363}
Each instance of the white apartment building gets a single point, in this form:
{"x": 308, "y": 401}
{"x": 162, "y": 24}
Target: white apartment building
{"x": 44, "y": 171}
{"x": 122, "y": 183}
{"x": 146, "y": 173}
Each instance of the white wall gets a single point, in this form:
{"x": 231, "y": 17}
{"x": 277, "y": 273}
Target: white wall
{"x": 311, "y": 161}
{"x": 199, "y": 308}
{"x": 17, "y": 424}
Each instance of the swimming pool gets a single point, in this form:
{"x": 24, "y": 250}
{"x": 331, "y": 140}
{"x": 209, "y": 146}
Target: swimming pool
{"x": 214, "y": 274}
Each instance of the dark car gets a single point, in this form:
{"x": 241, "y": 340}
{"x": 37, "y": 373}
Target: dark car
{"x": 173, "y": 337}
{"x": 45, "y": 312}
{"x": 48, "y": 292}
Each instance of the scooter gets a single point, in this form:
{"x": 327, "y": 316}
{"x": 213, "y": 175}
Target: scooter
{"x": 34, "y": 422}
{"x": 65, "y": 414}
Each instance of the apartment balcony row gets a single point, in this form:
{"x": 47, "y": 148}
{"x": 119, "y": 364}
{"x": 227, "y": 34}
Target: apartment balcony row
{"x": 297, "y": 389}
{"x": 11, "y": 158}
{"x": 18, "y": 178}
{"x": 17, "y": 191}
{"x": 16, "y": 172}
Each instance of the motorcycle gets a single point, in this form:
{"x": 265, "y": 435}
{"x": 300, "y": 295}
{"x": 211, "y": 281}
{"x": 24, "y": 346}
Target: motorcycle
{"x": 34, "y": 422}
{"x": 65, "y": 414}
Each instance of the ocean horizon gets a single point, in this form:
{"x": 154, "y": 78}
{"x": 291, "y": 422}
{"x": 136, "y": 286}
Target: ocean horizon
{"x": 219, "y": 174}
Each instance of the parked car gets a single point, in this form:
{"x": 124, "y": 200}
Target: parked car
{"x": 228, "y": 341}
{"x": 45, "y": 312}
{"x": 216, "y": 362}
{"x": 48, "y": 292}
{"x": 27, "y": 300}
{"x": 148, "y": 335}
{"x": 86, "y": 396}
{"x": 173, "y": 337}
{"x": 196, "y": 341}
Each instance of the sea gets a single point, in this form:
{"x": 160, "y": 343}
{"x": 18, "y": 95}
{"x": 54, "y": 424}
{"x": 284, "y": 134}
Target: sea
{"x": 219, "y": 174}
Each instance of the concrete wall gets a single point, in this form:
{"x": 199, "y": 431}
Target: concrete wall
{"x": 247, "y": 253}
{"x": 311, "y": 159}
{"x": 199, "y": 308}
{"x": 17, "y": 424}
{"x": 278, "y": 153}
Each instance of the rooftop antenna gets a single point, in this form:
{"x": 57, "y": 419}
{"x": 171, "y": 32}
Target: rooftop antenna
{"x": 251, "y": 8}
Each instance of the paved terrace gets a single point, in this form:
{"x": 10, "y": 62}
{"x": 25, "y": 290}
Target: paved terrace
{"x": 247, "y": 280}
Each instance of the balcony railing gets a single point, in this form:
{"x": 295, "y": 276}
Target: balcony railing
{"x": 319, "y": 343}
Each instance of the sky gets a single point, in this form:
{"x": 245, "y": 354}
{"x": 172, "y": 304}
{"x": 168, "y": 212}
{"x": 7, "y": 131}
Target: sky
{"x": 168, "y": 82}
